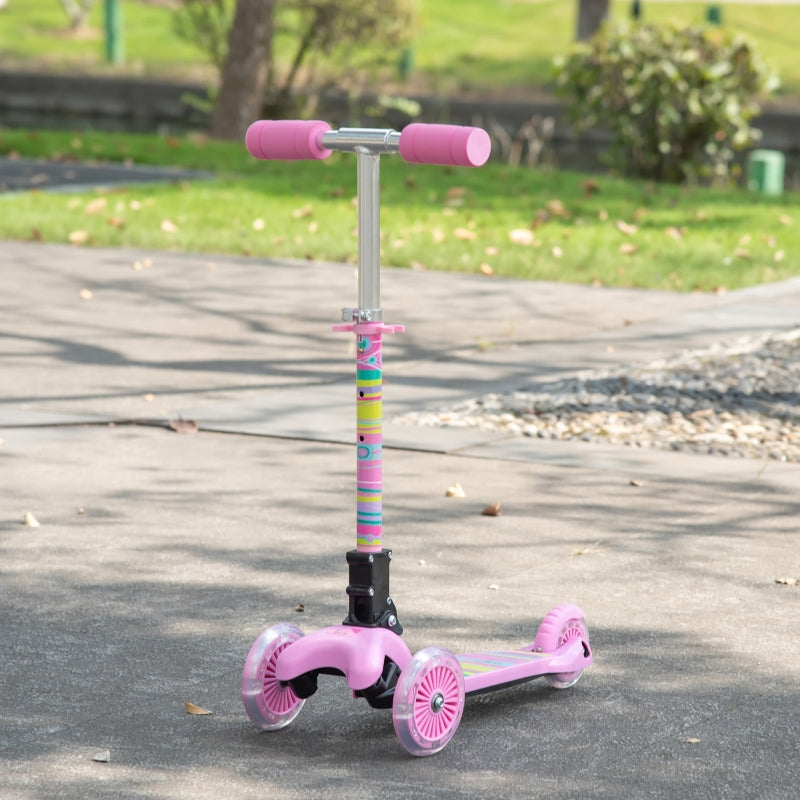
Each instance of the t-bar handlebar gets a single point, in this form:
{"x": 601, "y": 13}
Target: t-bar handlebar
{"x": 417, "y": 143}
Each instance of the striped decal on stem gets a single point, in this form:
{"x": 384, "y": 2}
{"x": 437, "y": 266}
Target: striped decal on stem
{"x": 369, "y": 434}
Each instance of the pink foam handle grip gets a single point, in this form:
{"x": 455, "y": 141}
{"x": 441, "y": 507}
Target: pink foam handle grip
{"x": 446, "y": 145}
{"x": 287, "y": 139}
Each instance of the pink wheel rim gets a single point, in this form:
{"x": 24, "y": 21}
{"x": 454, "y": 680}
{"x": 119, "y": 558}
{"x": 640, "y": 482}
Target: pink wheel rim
{"x": 436, "y": 704}
{"x": 275, "y": 697}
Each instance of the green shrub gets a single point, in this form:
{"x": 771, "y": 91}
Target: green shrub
{"x": 676, "y": 100}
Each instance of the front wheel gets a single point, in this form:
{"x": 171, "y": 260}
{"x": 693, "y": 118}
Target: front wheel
{"x": 562, "y": 624}
{"x": 270, "y": 704}
{"x": 428, "y": 701}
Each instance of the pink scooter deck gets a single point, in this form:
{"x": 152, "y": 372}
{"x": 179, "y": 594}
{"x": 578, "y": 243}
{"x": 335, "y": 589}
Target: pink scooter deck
{"x": 498, "y": 668}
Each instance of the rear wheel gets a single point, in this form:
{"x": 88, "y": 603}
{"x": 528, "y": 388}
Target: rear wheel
{"x": 563, "y": 624}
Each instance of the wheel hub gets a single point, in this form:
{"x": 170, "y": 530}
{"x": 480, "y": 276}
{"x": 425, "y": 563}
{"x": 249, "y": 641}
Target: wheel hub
{"x": 437, "y": 702}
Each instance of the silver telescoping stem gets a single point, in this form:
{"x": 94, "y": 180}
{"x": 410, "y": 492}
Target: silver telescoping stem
{"x": 369, "y": 233}
{"x": 368, "y": 144}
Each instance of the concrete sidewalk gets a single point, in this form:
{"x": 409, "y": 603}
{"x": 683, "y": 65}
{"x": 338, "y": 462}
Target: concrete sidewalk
{"x": 160, "y": 557}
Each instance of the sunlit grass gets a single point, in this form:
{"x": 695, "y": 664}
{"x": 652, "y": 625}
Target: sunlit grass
{"x": 496, "y": 220}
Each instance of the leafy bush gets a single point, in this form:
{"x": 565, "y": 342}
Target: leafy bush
{"x": 677, "y": 100}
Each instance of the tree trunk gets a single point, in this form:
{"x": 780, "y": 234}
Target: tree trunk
{"x": 591, "y": 13}
{"x": 244, "y": 77}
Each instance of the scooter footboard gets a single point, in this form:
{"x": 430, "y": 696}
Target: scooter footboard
{"x": 492, "y": 670}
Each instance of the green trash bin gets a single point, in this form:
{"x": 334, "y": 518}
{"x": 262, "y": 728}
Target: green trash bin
{"x": 765, "y": 170}
{"x": 714, "y": 15}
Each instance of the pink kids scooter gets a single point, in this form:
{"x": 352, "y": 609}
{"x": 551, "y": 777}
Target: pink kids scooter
{"x": 425, "y": 691}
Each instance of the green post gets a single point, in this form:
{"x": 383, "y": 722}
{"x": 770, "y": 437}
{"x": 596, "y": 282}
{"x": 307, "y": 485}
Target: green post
{"x": 115, "y": 43}
{"x": 405, "y": 65}
{"x": 714, "y": 15}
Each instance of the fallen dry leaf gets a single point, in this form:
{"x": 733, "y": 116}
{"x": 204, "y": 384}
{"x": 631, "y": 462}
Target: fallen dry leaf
{"x": 779, "y": 255}
{"x": 305, "y": 211}
{"x": 86, "y": 294}
{"x": 258, "y": 224}
{"x": 182, "y": 425}
{"x": 149, "y": 397}
{"x": 491, "y": 250}
{"x": 557, "y": 208}
{"x": 557, "y": 251}
{"x": 102, "y": 756}
{"x": 788, "y": 581}
{"x": 300, "y": 608}
{"x": 78, "y": 237}
{"x": 197, "y": 711}
{"x": 418, "y": 266}
{"x": 635, "y": 482}
{"x": 590, "y": 550}
{"x": 168, "y": 226}
{"x": 523, "y": 236}
{"x": 590, "y": 187}
{"x": 465, "y": 234}
{"x": 741, "y": 253}
{"x": 116, "y": 222}
{"x": 492, "y": 510}
{"x": 30, "y": 520}
{"x": 675, "y": 233}
{"x": 628, "y": 248}
{"x": 494, "y": 587}
{"x": 98, "y": 204}
{"x": 456, "y": 490}
{"x": 691, "y": 740}
{"x": 486, "y": 269}
{"x": 784, "y": 220}
{"x": 626, "y": 227}
{"x": 541, "y": 217}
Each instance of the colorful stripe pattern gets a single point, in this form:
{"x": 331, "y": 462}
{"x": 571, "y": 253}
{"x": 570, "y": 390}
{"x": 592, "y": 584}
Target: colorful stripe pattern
{"x": 480, "y": 663}
{"x": 369, "y": 434}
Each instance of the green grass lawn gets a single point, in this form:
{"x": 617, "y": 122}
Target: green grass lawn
{"x": 461, "y": 45}
{"x": 538, "y": 224}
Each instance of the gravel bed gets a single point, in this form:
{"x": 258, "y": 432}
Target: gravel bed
{"x": 740, "y": 400}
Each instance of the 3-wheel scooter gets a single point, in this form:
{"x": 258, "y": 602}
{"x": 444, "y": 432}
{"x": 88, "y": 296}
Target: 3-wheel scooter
{"x": 426, "y": 690}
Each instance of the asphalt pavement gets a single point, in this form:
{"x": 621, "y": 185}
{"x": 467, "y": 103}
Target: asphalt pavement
{"x": 160, "y": 556}
{"x": 72, "y": 174}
